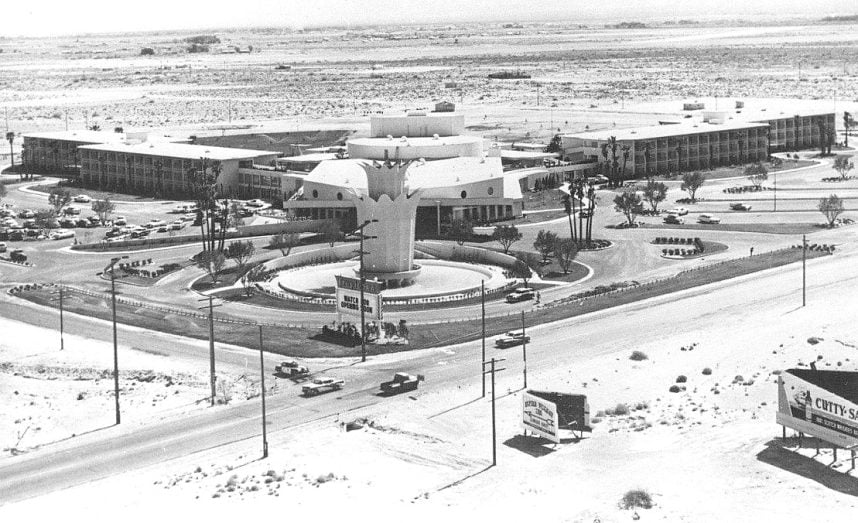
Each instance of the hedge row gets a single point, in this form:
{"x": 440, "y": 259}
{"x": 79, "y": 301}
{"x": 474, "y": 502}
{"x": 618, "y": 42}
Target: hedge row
{"x": 681, "y": 252}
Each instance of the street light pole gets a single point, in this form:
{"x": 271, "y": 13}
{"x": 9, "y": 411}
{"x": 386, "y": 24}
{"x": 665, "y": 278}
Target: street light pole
{"x": 212, "y": 377}
{"x": 62, "y": 342}
{"x": 262, "y": 385}
{"x": 524, "y": 348}
{"x": 804, "y": 270}
{"x": 483, "y": 359}
{"x": 363, "y": 237}
{"x": 492, "y": 370}
{"x": 112, "y": 270}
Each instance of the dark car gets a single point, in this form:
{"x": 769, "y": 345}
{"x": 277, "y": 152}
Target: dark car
{"x": 17, "y": 255}
{"x": 740, "y": 207}
{"x": 673, "y": 219}
{"x": 4, "y": 235}
{"x": 17, "y": 235}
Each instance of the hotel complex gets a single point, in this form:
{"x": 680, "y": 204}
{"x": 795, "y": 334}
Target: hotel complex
{"x": 715, "y": 139}
{"x": 459, "y": 176}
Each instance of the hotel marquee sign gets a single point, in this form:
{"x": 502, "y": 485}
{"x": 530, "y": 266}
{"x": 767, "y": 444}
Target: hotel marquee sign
{"x": 348, "y": 298}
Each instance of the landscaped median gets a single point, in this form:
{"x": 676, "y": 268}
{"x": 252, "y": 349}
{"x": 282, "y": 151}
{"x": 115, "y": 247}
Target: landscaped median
{"x": 297, "y": 340}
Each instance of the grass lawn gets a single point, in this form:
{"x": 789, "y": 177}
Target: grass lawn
{"x": 297, "y": 340}
{"x": 739, "y": 171}
{"x": 96, "y": 194}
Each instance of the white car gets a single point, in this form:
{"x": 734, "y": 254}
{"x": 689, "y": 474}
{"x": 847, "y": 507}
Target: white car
{"x": 678, "y": 211}
{"x": 153, "y": 224}
{"x": 120, "y": 220}
{"x": 322, "y": 384}
{"x": 82, "y": 198}
{"x": 255, "y": 203}
{"x": 61, "y": 235}
{"x": 708, "y": 218}
{"x": 177, "y": 225}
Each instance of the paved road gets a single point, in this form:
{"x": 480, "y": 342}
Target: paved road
{"x": 102, "y": 453}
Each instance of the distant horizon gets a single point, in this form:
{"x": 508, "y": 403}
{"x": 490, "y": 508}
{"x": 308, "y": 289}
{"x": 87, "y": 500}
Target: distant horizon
{"x": 93, "y": 17}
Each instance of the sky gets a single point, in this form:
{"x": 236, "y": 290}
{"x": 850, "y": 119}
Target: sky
{"x": 56, "y": 17}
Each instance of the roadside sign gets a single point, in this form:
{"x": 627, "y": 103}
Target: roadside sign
{"x": 540, "y": 417}
{"x": 348, "y": 297}
{"x": 822, "y": 403}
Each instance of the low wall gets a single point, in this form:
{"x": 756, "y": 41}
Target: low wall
{"x": 314, "y": 257}
{"x": 453, "y": 251}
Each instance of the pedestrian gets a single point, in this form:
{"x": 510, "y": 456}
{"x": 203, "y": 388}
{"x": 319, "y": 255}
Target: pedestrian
{"x": 752, "y": 251}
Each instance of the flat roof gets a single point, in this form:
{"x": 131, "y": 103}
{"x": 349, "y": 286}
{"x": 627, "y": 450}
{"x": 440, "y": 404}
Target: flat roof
{"x": 314, "y": 157}
{"x": 415, "y": 141}
{"x": 80, "y": 135}
{"x": 664, "y": 131}
{"x": 526, "y": 155}
{"x": 437, "y": 173}
{"x": 180, "y": 150}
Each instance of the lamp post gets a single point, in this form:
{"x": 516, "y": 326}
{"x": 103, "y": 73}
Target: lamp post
{"x": 212, "y": 377}
{"x": 363, "y": 237}
{"x": 262, "y": 388}
{"x": 115, "y": 347}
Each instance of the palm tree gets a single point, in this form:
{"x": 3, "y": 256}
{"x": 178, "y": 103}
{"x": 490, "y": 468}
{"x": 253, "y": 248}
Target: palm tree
{"x": 159, "y": 174}
{"x": 627, "y": 151}
{"x": 847, "y": 123}
{"x": 10, "y": 136}
{"x": 647, "y": 159}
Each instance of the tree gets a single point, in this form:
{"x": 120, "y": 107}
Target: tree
{"x": 240, "y": 252}
{"x": 3, "y": 191}
{"x": 59, "y": 198}
{"x": 103, "y": 208}
{"x": 776, "y": 162}
{"x": 10, "y": 137}
{"x": 249, "y": 277}
{"x": 627, "y": 151}
{"x": 848, "y": 122}
{"x": 45, "y": 219}
{"x": 202, "y": 182}
{"x": 460, "y": 231}
{"x": 565, "y": 251}
{"x": 544, "y": 243}
{"x": 691, "y": 182}
{"x": 655, "y": 193}
{"x": 147, "y": 51}
{"x": 555, "y": 145}
{"x": 629, "y": 203}
{"x": 212, "y": 262}
{"x": 506, "y": 235}
{"x": 331, "y": 232}
{"x": 284, "y": 241}
{"x": 831, "y": 207}
{"x": 757, "y": 174}
{"x": 520, "y": 269}
{"x": 843, "y": 164}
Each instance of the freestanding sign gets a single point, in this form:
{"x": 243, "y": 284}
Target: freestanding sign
{"x": 348, "y": 297}
{"x": 540, "y": 417}
{"x": 822, "y": 403}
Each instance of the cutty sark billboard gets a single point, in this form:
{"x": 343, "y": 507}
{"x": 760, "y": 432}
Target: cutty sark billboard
{"x": 822, "y": 403}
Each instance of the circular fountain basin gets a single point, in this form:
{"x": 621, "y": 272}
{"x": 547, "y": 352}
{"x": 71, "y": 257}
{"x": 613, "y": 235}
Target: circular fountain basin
{"x": 436, "y": 278}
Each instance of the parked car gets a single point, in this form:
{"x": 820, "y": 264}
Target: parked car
{"x": 322, "y": 384}
{"x": 740, "y": 207}
{"x": 255, "y": 203}
{"x": 401, "y": 382}
{"x": 71, "y": 210}
{"x": 4, "y": 235}
{"x": 522, "y": 294}
{"x": 679, "y": 211}
{"x": 2, "y": 247}
{"x": 120, "y": 220}
{"x": 177, "y": 225}
{"x": 26, "y": 213}
{"x": 673, "y": 219}
{"x": 68, "y": 223}
{"x": 17, "y": 255}
{"x": 708, "y": 218}
{"x": 188, "y": 217}
{"x": 17, "y": 235}
{"x": 155, "y": 223}
{"x": 61, "y": 235}
{"x": 28, "y": 224}
{"x": 86, "y": 224}
{"x": 82, "y": 198}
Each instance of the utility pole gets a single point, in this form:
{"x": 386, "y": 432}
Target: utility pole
{"x": 524, "y": 348}
{"x": 110, "y": 267}
{"x": 804, "y": 270}
{"x": 483, "y": 359}
{"x": 212, "y": 377}
{"x": 776, "y": 190}
{"x": 492, "y": 370}
{"x": 59, "y": 293}
{"x": 363, "y": 237}
{"x": 262, "y": 386}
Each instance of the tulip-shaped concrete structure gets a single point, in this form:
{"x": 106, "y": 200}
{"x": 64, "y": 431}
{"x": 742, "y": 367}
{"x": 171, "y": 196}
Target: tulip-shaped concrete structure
{"x": 390, "y": 254}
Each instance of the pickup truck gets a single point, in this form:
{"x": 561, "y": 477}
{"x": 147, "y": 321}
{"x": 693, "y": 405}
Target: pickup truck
{"x": 320, "y": 385}
{"x": 291, "y": 369}
{"x": 401, "y": 382}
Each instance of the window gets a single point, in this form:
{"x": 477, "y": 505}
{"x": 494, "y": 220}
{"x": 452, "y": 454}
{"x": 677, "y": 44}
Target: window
{"x": 464, "y": 194}
{"x": 339, "y": 195}
{"x": 315, "y": 193}
{"x": 491, "y": 191}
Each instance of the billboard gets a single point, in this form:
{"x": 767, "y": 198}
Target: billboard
{"x": 348, "y": 297}
{"x": 822, "y": 403}
{"x": 540, "y": 417}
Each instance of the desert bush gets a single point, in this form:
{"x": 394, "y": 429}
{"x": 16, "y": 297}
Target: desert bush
{"x": 621, "y": 409}
{"x": 637, "y": 498}
{"x": 707, "y": 371}
{"x": 681, "y": 379}
{"x": 147, "y": 51}
{"x": 674, "y": 388}
{"x": 638, "y": 356}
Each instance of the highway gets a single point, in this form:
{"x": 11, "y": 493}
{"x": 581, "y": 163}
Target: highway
{"x": 120, "y": 449}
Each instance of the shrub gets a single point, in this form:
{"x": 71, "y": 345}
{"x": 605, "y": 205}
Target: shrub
{"x": 664, "y": 251}
{"x": 637, "y": 498}
{"x": 681, "y": 379}
{"x": 621, "y": 409}
{"x": 147, "y": 51}
{"x": 638, "y": 356}
{"x": 675, "y": 388}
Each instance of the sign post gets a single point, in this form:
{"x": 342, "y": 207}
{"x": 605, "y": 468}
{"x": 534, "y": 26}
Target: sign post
{"x": 539, "y": 416}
